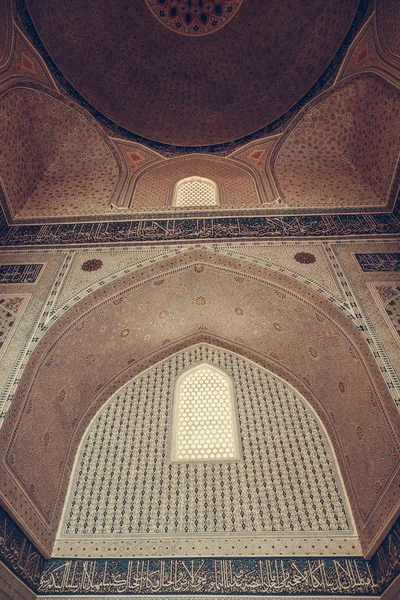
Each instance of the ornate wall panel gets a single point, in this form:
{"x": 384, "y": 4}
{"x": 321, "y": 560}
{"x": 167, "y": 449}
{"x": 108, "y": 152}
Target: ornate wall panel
{"x": 19, "y": 273}
{"x": 293, "y": 331}
{"x": 11, "y": 310}
{"x": 333, "y": 154}
{"x": 125, "y": 485}
{"x": 376, "y": 262}
{"x": 90, "y": 269}
{"x": 388, "y": 297}
{"x": 58, "y": 161}
{"x": 29, "y": 277}
{"x": 377, "y": 268}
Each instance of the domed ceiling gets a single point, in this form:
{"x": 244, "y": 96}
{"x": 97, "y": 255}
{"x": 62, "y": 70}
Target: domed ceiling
{"x": 190, "y": 72}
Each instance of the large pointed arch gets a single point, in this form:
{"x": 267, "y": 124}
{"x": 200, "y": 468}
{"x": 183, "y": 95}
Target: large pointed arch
{"x": 283, "y": 486}
{"x": 125, "y": 327}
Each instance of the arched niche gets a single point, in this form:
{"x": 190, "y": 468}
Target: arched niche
{"x": 195, "y": 191}
{"x": 129, "y": 325}
{"x": 59, "y": 161}
{"x": 275, "y": 477}
{"x": 332, "y": 155}
{"x": 237, "y": 184}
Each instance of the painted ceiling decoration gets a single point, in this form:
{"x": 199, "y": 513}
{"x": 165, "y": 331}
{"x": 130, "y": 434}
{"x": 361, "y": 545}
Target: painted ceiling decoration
{"x": 199, "y": 194}
{"x": 77, "y": 170}
{"x": 196, "y": 102}
{"x": 194, "y": 17}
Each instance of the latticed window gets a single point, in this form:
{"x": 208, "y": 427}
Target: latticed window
{"x": 204, "y": 424}
{"x": 195, "y": 191}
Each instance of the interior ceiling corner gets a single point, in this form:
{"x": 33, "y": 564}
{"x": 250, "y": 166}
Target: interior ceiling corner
{"x": 134, "y": 322}
{"x": 332, "y": 153}
{"x": 98, "y": 171}
{"x": 387, "y": 18}
{"x": 65, "y": 154}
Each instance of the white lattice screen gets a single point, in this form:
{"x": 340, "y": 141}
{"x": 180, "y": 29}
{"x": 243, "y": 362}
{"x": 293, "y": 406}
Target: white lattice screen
{"x": 196, "y": 191}
{"x": 204, "y": 423}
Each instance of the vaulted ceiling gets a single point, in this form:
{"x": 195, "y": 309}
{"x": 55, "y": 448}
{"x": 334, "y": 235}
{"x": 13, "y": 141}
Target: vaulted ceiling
{"x": 288, "y": 108}
{"x": 188, "y": 90}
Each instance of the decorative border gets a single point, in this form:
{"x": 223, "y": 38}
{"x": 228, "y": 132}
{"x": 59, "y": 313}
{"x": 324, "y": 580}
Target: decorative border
{"x": 209, "y": 576}
{"x": 363, "y": 12}
{"x": 208, "y": 597}
{"x": 379, "y": 262}
{"x": 204, "y": 229}
{"x": 250, "y": 576}
{"x": 22, "y": 274}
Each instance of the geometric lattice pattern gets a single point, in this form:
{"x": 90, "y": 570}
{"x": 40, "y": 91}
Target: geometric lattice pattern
{"x": 124, "y": 481}
{"x": 9, "y": 307}
{"x": 204, "y": 419}
{"x": 390, "y": 295}
{"x": 196, "y": 191}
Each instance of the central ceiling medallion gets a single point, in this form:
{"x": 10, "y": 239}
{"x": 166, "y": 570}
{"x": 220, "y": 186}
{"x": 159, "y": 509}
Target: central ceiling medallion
{"x": 194, "y": 17}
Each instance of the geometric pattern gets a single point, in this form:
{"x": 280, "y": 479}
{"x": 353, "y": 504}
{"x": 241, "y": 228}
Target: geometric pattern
{"x": 204, "y": 419}
{"x": 125, "y": 483}
{"x": 196, "y": 191}
{"x": 11, "y": 309}
{"x": 194, "y": 18}
{"x": 390, "y": 294}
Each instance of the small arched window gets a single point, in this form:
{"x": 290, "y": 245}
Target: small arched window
{"x": 204, "y": 421}
{"x": 195, "y": 192}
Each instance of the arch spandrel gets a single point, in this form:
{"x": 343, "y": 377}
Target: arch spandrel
{"x": 123, "y": 328}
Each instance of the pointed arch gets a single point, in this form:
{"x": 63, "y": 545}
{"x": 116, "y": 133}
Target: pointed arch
{"x": 100, "y": 344}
